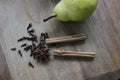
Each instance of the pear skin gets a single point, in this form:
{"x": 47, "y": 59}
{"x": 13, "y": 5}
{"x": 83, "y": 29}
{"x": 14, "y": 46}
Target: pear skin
{"x": 74, "y": 10}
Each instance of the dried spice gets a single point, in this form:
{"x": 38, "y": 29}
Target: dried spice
{"x": 42, "y": 37}
{"x": 33, "y": 38}
{"x": 41, "y": 51}
{"x": 31, "y": 65}
{"x": 31, "y": 54}
{"x": 29, "y": 47}
{"x": 23, "y": 45}
{"x": 31, "y": 34}
{"x": 31, "y": 31}
{"x": 41, "y": 54}
{"x": 24, "y": 38}
{"x": 28, "y": 38}
{"x": 29, "y": 26}
{"x": 21, "y": 39}
{"x": 33, "y": 48}
{"x": 13, "y": 49}
{"x": 19, "y": 52}
{"x": 46, "y": 35}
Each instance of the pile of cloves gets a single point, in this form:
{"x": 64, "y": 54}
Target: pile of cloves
{"x": 38, "y": 49}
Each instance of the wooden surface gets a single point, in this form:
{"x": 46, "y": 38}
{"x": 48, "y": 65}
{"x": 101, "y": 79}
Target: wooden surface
{"x": 108, "y": 76}
{"x": 4, "y": 71}
{"x": 102, "y": 29}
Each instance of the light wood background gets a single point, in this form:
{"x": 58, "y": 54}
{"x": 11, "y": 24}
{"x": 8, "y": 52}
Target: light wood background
{"x": 102, "y": 29}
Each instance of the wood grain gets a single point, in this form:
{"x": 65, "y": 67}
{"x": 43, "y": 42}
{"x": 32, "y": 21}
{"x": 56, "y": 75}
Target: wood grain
{"x": 102, "y": 29}
{"x": 4, "y": 71}
{"x": 115, "y": 75}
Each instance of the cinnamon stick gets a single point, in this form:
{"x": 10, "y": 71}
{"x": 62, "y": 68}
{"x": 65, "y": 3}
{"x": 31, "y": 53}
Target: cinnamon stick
{"x": 73, "y": 53}
{"x": 66, "y": 39}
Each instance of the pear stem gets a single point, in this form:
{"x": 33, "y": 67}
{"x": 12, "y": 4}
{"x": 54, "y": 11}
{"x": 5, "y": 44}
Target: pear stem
{"x": 50, "y": 17}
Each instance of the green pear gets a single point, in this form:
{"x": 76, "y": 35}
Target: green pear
{"x": 73, "y": 10}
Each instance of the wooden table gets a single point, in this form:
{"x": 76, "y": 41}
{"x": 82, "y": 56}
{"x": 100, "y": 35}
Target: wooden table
{"x": 102, "y": 29}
